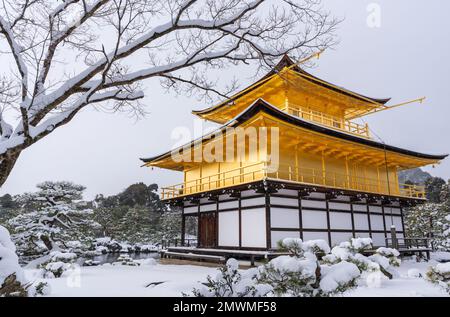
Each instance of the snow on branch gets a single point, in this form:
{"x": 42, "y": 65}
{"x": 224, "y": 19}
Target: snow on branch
{"x": 82, "y": 52}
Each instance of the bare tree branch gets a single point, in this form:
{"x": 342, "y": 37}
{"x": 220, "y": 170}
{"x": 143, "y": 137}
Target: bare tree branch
{"x": 81, "y": 52}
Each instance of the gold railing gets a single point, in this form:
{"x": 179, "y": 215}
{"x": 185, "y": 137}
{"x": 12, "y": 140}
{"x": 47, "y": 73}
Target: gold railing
{"x": 260, "y": 170}
{"x": 328, "y": 120}
{"x": 228, "y": 178}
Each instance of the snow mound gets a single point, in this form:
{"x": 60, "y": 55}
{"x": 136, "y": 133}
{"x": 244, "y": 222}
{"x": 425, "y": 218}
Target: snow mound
{"x": 361, "y": 243}
{"x": 440, "y": 256}
{"x": 316, "y": 246}
{"x": 9, "y": 261}
{"x": 388, "y": 252}
{"x": 443, "y": 268}
{"x": 337, "y": 276}
{"x": 306, "y": 267}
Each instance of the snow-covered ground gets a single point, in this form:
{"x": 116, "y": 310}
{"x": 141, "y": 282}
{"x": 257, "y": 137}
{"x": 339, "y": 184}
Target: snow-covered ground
{"x": 408, "y": 284}
{"x": 118, "y": 280}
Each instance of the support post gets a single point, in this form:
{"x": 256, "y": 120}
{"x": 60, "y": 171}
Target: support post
{"x": 394, "y": 237}
{"x": 183, "y": 227}
{"x": 347, "y": 171}
{"x": 268, "y": 224}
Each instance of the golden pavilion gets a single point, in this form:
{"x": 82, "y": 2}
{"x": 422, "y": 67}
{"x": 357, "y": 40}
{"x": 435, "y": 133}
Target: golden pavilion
{"x": 320, "y": 176}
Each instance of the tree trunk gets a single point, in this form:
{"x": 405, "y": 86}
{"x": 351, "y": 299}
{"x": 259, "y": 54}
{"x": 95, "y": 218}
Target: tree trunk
{"x": 6, "y": 166}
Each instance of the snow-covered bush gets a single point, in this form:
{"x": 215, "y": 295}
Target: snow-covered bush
{"x": 440, "y": 275}
{"x": 11, "y": 275}
{"x": 317, "y": 247}
{"x": 229, "y": 282}
{"x": 391, "y": 254}
{"x": 292, "y": 275}
{"x": 304, "y": 273}
{"x": 91, "y": 263}
{"x": 338, "y": 278}
{"x": 58, "y": 263}
{"x": 125, "y": 259}
{"x": 383, "y": 260}
{"x": 56, "y": 269}
{"x": 41, "y": 289}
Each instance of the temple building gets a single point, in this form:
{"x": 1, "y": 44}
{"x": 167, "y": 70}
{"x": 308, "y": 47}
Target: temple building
{"x": 314, "y": 173}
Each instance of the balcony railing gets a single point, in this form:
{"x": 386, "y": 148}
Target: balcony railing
{"x": 310, "y": 176}
{"x": 328, "y": 120}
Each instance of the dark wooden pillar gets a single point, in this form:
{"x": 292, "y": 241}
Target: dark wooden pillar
{"x": 240, "y": 221}
{"x": 217, "y": 221}
{"x": 384, "y": 223}
{"x": 198, "y": 225}
{"x": 268, "y": 225}
{"x": 353, "y": 219}
{"x": 300, "y": 215}
{"x": 328, "y": 219}
{"x": 369, "y": 223}
{"x": 183, "y": 227}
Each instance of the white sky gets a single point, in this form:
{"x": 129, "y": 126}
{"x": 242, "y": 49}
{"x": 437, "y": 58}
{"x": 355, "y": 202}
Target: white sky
{"x": 407, "y": 57}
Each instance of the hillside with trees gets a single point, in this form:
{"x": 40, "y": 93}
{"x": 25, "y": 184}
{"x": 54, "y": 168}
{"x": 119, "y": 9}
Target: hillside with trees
{"x": 56, "y": 217}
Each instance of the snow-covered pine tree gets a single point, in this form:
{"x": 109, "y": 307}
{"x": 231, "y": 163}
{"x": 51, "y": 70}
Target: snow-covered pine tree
{"x": 137, "y": 225}
{"x": 169, "y": 225}
{"x": 58, "y": 216}
{"x": 431, "y": 219}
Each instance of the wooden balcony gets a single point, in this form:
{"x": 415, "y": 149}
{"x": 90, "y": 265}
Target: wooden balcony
{"x": 328, "y": 120}
{"x": 307, "y": 176}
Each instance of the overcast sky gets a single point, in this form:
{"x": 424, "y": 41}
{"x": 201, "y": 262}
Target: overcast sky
{"x": 405, "y": 58}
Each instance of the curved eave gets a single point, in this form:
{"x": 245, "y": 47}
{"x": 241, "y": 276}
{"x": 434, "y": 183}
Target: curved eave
{"x": 263, "y": 106}
{"x": 287, "y": 62}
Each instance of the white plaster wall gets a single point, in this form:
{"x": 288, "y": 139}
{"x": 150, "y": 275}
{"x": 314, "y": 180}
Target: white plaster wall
{"x": 253, "y": 201}
{"x": 315, "y": 236}
{"x": 375, "y": 209}
{"x": 378, "y": 239}
{"x": 362, "y": 235}
{"x": 338, "y": 237}
{"x": 360, "y": 207}
{"x": 210, "y": 207}
{"x": 228, "y": 204}
{"x": 284, "y": 201}
{"x": 313, "y": 204}
{"x": 340, "y": 220}
{"x": 376, "y": 222}
{"x": 284, "y": 218}
{"x": 361, "y": 222}
{"x": 280, "y": 235}
{"x": 397, "y": 223}
{"x": 339, "y": 206}
{"x": 288, "y": 192}
{"x": 254, "y": 228}
{"x": 317, "y": 195}
{"x": 312, "y": 219}
{"x": 394, "y": 210}
{"x": 228, "y": 229}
